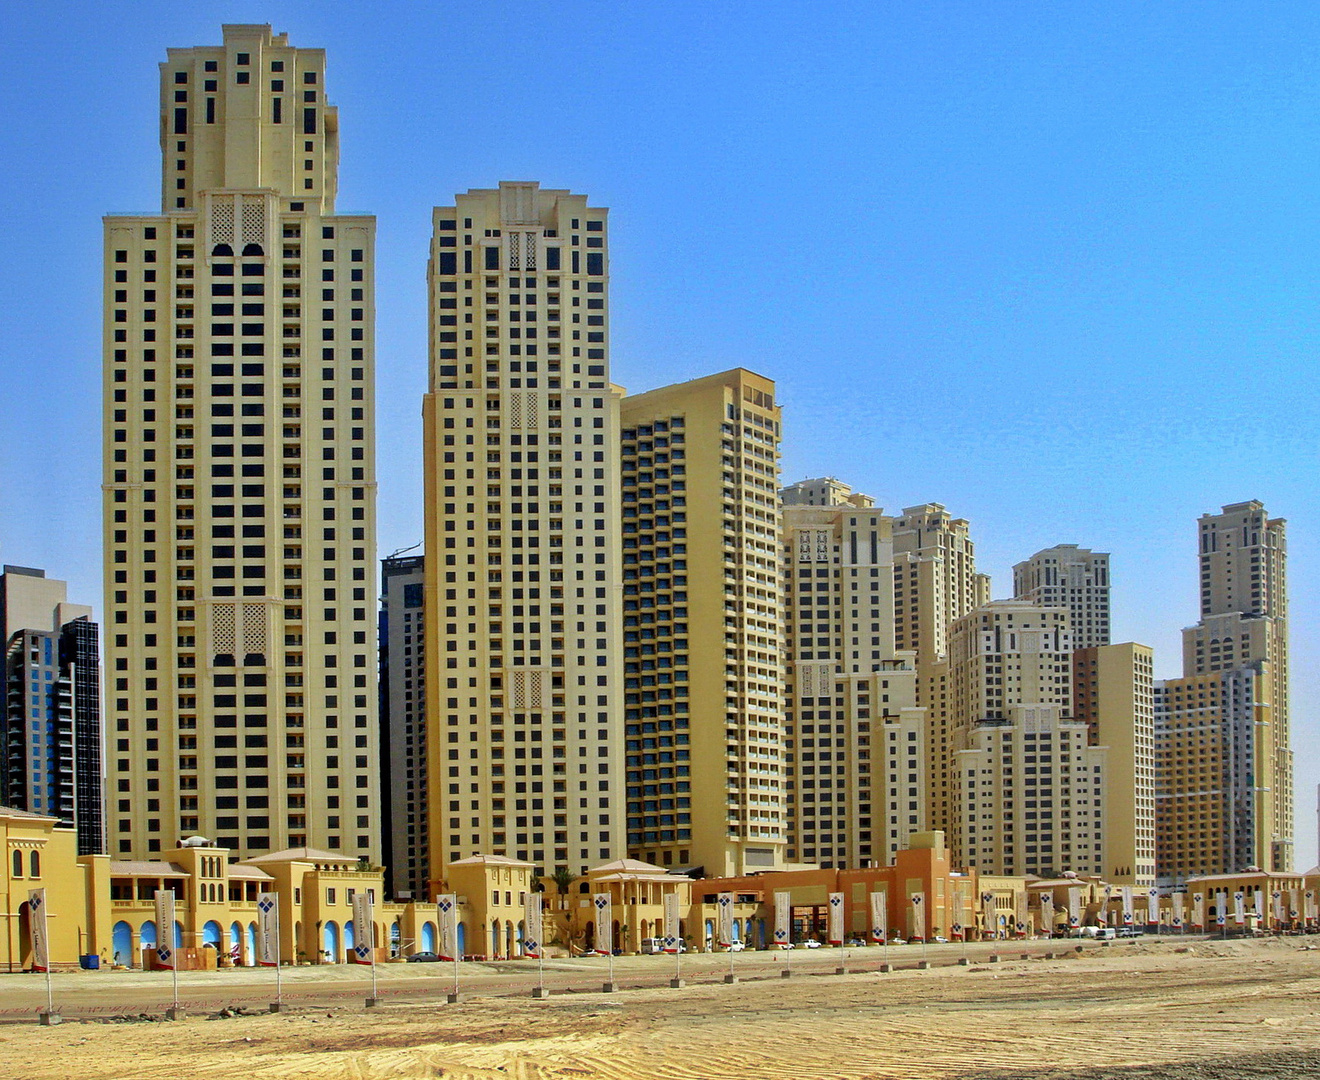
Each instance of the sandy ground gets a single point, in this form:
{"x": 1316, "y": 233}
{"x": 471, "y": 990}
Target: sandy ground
{"x": 1182, "y": 1011}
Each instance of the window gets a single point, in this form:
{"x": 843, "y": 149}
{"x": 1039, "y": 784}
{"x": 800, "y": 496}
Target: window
{"x": 18, "y": 864}
{"x": 34, "y": 864}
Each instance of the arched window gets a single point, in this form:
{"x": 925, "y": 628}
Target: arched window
{"x": 222, "y": 249}
{"x": 18, "y": 864}
{"x": 34, "y": 864}
{"x": 253, "y": 249}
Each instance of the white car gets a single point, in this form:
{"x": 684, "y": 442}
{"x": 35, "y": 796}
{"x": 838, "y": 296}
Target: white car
{"x": 810, "y": 943}
{"x": 735, "y": 946}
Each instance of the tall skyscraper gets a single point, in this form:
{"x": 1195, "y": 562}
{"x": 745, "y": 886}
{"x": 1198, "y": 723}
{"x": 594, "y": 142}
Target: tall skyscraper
{"x": 1071, "y": 577}
{"x": 239, "y": 472}
{"x": 1113, "y": 687}
{"x": 50, "y": 729}
{"x": 702, "y": 618}
{"x": 1244, "y": 621}
{"x": 403, "y": 726}
{"x": 1223, "y": 754}
{"x": 935, "y": 582}
{"x": 523, "y": 588}
{"x": 1030, "y": 790}
{"x": 853, "y": 736}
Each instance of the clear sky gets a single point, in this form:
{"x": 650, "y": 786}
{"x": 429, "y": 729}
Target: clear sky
{"x": 1052, "y": 265}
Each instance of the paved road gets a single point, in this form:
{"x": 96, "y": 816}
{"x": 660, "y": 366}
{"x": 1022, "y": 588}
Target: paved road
{"x": 112, "y": 993}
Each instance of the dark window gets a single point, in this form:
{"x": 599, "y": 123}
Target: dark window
{"x": 492, "y": 258}
{"x": 180, "y": 121}
{"x": 595, "y": 263}
{"x": 210, "y": 110}
{"x": 448, "y": 262}
{"x": 309, "y": 121}
{"x": 552, "y": 258}
{"x": 276, "y": 115}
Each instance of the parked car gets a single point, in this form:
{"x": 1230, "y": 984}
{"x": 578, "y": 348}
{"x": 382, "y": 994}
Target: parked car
{"x": 1129, "y": 931}
{"x": 423, "y": 958}
{"x": 784, "y": 945}
{"x": 735, "y": 946}
{"x": 940, "y": 940}
{"x": 856, "y": 943}
{"x": 809, "y": 943}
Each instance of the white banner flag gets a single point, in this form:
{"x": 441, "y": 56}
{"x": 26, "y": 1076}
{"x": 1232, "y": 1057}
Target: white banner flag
{"x": 673, "y": 924}
{"x": 1046, "y": 914}
{"x": 362, "y": 923}
{"x": 1177, "y": 900}
{"x": 532, "y": 923}
{"x": 1260, "y": 904}
{"x": 1239, "y": 907}
{"x": 165, "y": 927}
{"x": 604, "y": 923}
{"x": 1153, "y": 906}
{"x": 268, "y": 942}
{"x": 919, "y": 914}
{"x": 1128, "y": 915}
{"x": 1221, "y": 908}
{"x": 879, "y": 917}
{"x": 783, "y": 918}
{"x": 37, "y": 927}
{"x": 836, "y": 918}
{"x": 1308, "y": 905}
{"x": 959, "y": 908}
{"x": 725, "y": 901}
{"x": 1074, "y": 906}
{"x": 446, "y": 906}
{"x": 1021, "y": 911}
{"x": 1278, "y": 908}
{"x": 1198, "y": 910}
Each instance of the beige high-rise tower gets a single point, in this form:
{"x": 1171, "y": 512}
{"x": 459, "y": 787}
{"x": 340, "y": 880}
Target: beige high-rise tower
{"x": 524, "y": 670}
{"x": 853, "y": 736}
{"x": 702, "y": 619}
{"x": 239, "y": 472}
{"x": 1071, "y": 577}
{"x": 1224, "y": 757}
{"x": 935, "y": 583}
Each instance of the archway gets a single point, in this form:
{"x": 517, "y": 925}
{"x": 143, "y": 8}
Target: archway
{"x": 350, "y": 939}
{"x": 509, "y": 940}
{"x": 396, "y": 938}
{"x": 589, "y": 937}
{"x": 616, "y": 942}
{"x": 710, "y": 934}
{"x": 121, "y": 941}
{"x": 24, "y": 933}
{"x": 212, "y": 935}
{"x": 250, "y": 959}
{"x": 330, "y": 943}
{"x": 494, "y": 938}
{"x": 737, "y": 930}
{"x": 236, "y": 943}
{"x": 428, "y": 937}
{"x": 178, "y": 934}
{"x": 462, "y": 938}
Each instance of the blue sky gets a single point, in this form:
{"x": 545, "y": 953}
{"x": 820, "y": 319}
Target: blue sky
{"x": 1054, "y": 266}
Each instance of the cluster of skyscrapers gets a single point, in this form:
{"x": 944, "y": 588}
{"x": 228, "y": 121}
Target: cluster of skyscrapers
{"x": 624, "y": 636}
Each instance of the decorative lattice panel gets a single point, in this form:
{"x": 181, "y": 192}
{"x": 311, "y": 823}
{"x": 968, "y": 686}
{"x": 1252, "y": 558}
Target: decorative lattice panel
{"x": 514, "y": 243}
{"x": 529, "y": 411}
{"x": 223, "y": 636}
{"x": 515, "y": 410}
{"x": 529, "y": 251}
{"x": 254, "y": 221}
{"x": 527, "y": 689}
{"x": 222, "y": 219}
{"x": 254, "y": 628}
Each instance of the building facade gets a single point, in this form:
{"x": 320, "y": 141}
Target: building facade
{"x": 935, "y": 582}
{"x": 702, "y": 619}
{"x": 523, "y": 586}
{"x": 403, "y": 785}
{"x": 1071, "y": 577}
{"x": 853, "y": 734}
{"x": 1243, "y": 555}
{"x": 1113, "y": 694}
{"x": 239, "y": 472}
{"x": 50, "y": 730}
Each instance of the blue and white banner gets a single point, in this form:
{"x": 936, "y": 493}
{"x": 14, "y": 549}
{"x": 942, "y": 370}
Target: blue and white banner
{"x": 268, "y": 942}
{"x": 725, "y": 929}
{"x": 37, "y": 928}
{"x": 1177, "y": 901}
{"x": 673, "y": 924}
{"x": 362, "y": 928}
{"x": 604, "y": 923}
{"x": 836, "y": 918}
{"x": 532, "y": 923}
{"x": 880, "y": 916}
{"x": 1128, "y": 916}
{"x": 783, "y": 918}
{"x": 165, "y": 927}
{"x": 919, "y": 923}
{"x": 446, "y": 905}
{"x": 1074, "y": 906}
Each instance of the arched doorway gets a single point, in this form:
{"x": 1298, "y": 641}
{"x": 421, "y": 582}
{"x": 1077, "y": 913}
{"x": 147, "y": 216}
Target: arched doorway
{"x": 24, "y": 933}
{"x": 350, "y": 939}
{"x": 236, "y": 943}
{"x": 212, "y": 935}
{"x": 589, "y": 937}
{"x": 121, "y": 941}
{"x": 710, "y": 934}
{"x": 251, "y": 958}
{"x": 428, "y": 937}
{"x": 330, "y": 943}
{"x": 462, "y": 939}
{"x": 510, "y": 940}
{"x": 494, "y": 938}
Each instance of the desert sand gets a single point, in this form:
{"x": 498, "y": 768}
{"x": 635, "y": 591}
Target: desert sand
{"x": 1168, "y": 1009}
